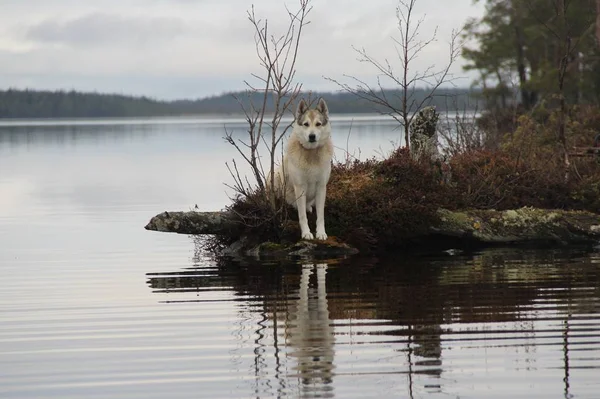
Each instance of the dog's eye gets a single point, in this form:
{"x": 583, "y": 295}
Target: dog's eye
{"x": 306, "y": 124}
{"x": 319, "y": 123}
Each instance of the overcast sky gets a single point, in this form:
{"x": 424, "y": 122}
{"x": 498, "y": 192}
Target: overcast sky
{"x": 194, "y": 48}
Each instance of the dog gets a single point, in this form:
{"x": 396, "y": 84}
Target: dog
{"x": 306, "y": 166}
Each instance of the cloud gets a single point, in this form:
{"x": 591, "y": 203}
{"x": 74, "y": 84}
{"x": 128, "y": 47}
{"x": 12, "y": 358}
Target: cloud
{"x": 105, "y": 29}
{"x": 177, "y": 48}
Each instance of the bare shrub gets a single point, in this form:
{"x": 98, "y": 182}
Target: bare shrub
{"x": 404, "y": 106}
{"x": 269, "y": 100}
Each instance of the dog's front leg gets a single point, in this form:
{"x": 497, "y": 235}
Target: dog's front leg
{"x": 302, "y": 219}
{"x": 320, "y": 205}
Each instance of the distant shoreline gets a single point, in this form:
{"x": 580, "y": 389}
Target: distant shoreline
{"x": 34, "y": 104}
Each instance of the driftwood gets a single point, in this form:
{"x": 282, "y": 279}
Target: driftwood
{"x": 193, "y": 222}
{"x": 225, "y": 223}
{"x": 524, "y": 225}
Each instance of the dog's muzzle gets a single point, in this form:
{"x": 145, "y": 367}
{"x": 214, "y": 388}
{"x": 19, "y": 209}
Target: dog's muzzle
{"x": 312, "y": 138}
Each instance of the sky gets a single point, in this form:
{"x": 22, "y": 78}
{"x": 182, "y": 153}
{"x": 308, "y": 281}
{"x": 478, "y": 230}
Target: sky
{"x": 169, "y": 49}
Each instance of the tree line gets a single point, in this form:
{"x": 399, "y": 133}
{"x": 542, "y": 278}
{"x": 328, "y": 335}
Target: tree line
{"x": 75, "y": 104}
{"x": 536, "y": 52}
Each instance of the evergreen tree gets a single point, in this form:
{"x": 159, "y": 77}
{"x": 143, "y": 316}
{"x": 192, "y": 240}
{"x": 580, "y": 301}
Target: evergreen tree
{"x": 527, "y": 42}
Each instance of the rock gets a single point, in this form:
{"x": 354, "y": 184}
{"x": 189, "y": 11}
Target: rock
{"x": 238, "y": 247}
{"x": 524, "y": 225}
{"x": 330, "y": 248}
{"x": 519, "y": 225}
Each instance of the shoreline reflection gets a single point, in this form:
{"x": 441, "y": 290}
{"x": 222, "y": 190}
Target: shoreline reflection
{"x": 318, "y": 328}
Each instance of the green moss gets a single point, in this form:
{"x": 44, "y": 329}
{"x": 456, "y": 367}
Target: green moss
{"x": 271, "y": 247}
{"x": 524, "y": 224}
{"x": 329, "y": 248}
{"x": 457, "y": 220}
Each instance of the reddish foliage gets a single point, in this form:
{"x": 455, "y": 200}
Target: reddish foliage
{"x": 486, "y": 179}
{"x": 381, "y": 203}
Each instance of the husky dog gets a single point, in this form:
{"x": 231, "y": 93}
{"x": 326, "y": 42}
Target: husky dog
{"x": 304, "y": 172}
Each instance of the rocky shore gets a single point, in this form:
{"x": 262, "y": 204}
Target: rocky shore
{"x": 529, "y": 226}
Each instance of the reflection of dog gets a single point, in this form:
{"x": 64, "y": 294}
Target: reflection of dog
{"x": 309, "y": 331}
{"x": 306, "y": 166}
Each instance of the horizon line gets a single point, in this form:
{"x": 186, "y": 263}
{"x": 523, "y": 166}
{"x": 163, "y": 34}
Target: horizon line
{"x": 221, "y": 94}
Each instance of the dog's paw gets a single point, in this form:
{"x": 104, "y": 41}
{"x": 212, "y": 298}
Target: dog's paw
{"x": 307, "y": 236}
{"x": 321, "y": 236}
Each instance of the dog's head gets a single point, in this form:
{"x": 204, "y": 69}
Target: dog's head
{"x": 312, "y": 125}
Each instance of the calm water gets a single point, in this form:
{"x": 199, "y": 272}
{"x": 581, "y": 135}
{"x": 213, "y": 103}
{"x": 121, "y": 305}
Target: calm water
{"x": 94, "y": 306}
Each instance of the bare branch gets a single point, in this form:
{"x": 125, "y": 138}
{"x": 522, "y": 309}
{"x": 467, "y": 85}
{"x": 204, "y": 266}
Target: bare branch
{"x": 277, "y": 55}
{"x": 407, "y": 48}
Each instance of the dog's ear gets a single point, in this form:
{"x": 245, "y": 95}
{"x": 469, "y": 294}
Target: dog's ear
{"x": 322, "y": 107}
{"x": 302, "y": 107}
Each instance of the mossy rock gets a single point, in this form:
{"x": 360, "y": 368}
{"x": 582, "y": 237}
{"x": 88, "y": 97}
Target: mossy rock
{"x": 330, "y": 248}
{"x": 520, "y": 225}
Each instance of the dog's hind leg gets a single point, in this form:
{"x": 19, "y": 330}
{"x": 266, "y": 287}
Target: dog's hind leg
{"x": 302, "y": 219}
{"x": 320, "y": 205}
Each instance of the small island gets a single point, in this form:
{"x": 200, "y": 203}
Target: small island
{"x": 420, "y": 199}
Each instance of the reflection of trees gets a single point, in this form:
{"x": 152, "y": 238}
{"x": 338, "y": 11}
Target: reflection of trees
{"x": 73, "y": 134}
{"x": 418, "y": 298}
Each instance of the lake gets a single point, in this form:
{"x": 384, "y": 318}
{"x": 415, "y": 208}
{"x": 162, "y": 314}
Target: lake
{"x": 94, "y": 306}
